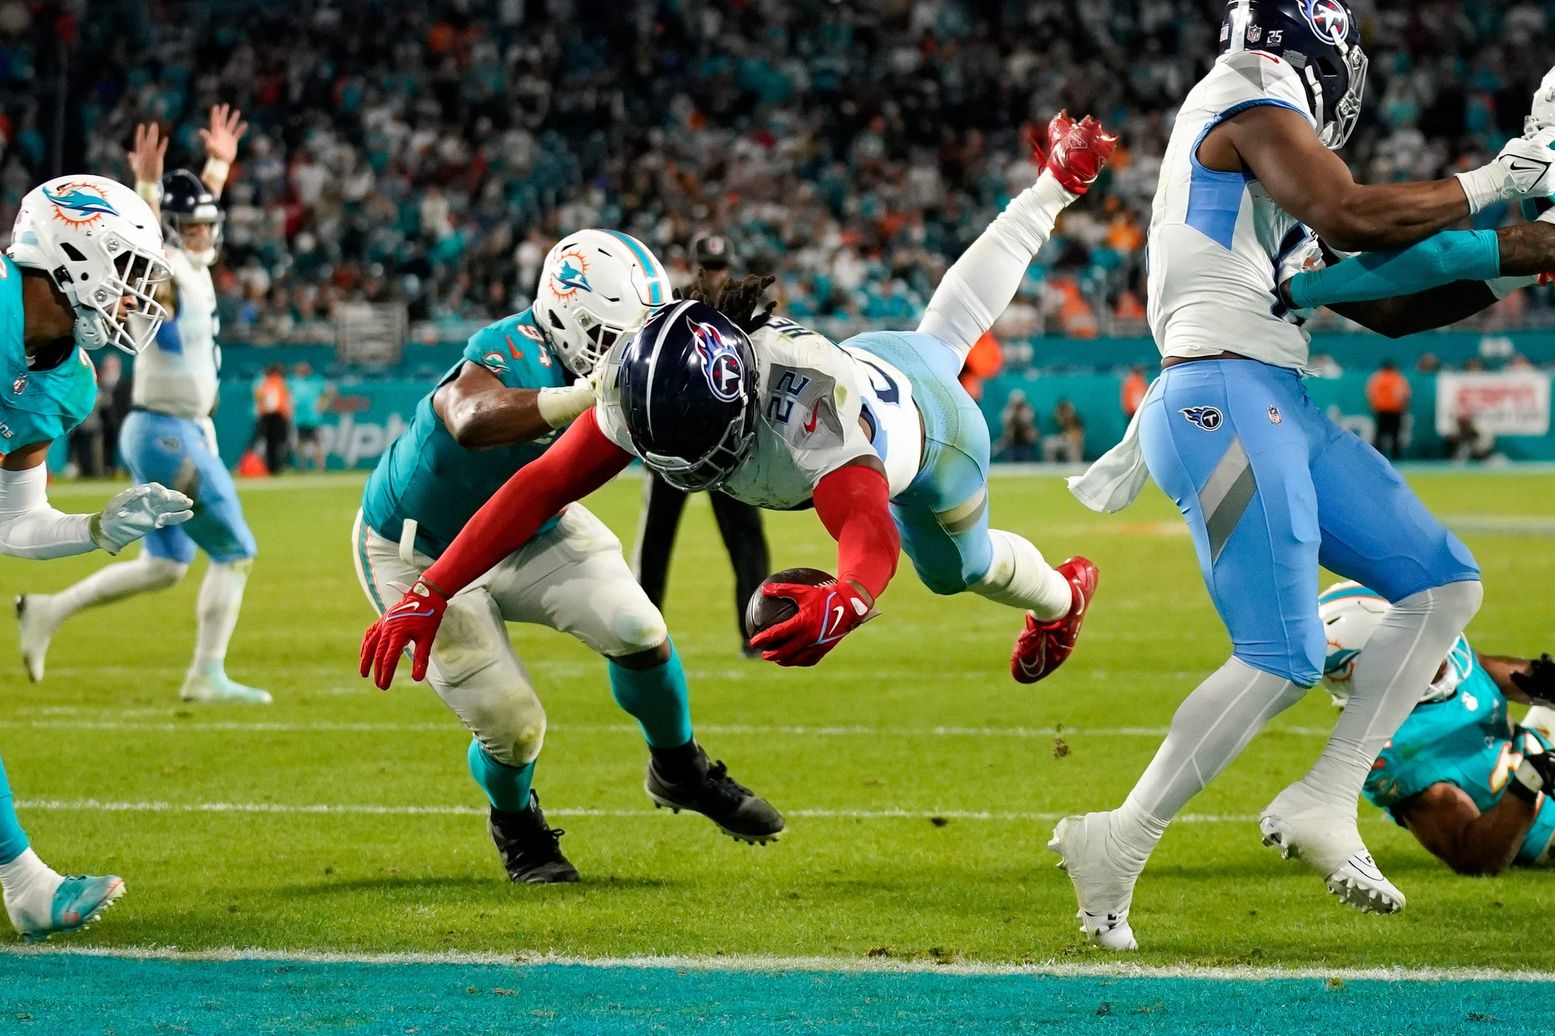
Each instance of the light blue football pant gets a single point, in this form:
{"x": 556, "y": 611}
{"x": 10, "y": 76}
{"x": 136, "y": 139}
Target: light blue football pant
{"x": 1271, "y": 489}
{"x": 174, "y": 452}
{"x": 943, "y": 514}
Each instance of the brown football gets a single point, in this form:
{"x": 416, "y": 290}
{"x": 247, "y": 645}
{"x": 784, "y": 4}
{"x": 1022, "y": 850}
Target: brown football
{"x": 762, "y": 611}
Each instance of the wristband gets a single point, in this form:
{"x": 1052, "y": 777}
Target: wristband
{"x": 215, "y": 174}
{"x": 559, "y": 406}
{"x": 1480, "y": 188}
{"x": 150, "y": 190}
{"x": 1501, "y": 287}
{"x": 1519, "y": 787}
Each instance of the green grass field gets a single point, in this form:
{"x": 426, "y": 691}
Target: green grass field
{"x": 920, "y": 782}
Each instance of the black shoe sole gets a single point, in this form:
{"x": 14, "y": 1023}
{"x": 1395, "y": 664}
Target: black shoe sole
{"x": 660, "y": 802}
{"x": 540, "y": 877}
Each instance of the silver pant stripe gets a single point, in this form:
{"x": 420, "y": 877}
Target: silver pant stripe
{"x": 1225, "y": 496}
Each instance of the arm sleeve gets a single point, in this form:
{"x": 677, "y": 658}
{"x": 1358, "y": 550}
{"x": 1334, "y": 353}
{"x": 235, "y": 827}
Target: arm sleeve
{"x": 30, "y": 527}
{"x": 579, "y": 462}
{"x": 1453, "y": 255}
{"x": 853, "y": 503}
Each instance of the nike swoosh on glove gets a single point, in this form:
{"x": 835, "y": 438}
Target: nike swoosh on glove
{"x": 414, "y": 620}
{"x": 135, "y": 512}
{"x": 1076, "y": 152}
{"x": 827, "y": 613}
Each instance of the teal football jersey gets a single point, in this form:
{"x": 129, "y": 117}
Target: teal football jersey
{"x": 1465, "y": 741}
{"x": 37, "y": 406}
{"x": 426, "y": 476}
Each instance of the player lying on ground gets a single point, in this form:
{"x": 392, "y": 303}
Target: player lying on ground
{"x": 84, "y": 263}
{"x": 1269, "y": 486}
{"x": 1465, "y": 780}
{"x": 493, "y": 414}
{"x": 168, "y": 436}
{"x": 877, "y": 434}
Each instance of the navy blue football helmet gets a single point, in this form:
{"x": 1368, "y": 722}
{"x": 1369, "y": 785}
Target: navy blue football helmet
{"x": 1322, "y": 42}
{"x": 688, "y": 389}
{"x": 186, "y": 200}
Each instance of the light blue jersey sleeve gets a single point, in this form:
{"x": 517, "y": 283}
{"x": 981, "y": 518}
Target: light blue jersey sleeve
{"x": 514, "y": 350}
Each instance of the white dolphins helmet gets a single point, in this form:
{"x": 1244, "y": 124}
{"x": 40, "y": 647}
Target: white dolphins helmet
{"x": 596, "y": 287}
{"x": 1350, "y": 614}
{"x": 98, "y": 241}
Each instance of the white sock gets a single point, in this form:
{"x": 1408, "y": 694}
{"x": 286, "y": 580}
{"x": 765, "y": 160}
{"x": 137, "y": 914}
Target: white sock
{"x": 980, "y": 284}
{"x": 1209, "y": 730}
{"x": 116, "y": 581}
{"x": 29, "y": 885}
{"x": 1400, "y": 660}
{"x": 1019, "y": 577}
{"x": 221, "y": 598}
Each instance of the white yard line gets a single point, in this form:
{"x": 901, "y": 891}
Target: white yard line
{"x": 762, "y": 963}
{"x": 356, "y": 808}
{"x": 715, "y": 729}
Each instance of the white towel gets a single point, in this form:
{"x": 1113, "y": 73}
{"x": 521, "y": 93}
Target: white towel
{"x": 1114, "y": 481}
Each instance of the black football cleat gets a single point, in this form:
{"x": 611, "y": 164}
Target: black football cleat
{"x": 531, "y": 851}
{"x": 682, "y": 778}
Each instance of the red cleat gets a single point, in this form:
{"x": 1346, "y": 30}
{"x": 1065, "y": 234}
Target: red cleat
{"x": 1043, "y": 646}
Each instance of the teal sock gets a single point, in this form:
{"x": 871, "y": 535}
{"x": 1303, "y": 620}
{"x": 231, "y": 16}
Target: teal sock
{"x": 506, "y": 786}
{"x": 13, "y": 840}
{"x": 657, "y": 698}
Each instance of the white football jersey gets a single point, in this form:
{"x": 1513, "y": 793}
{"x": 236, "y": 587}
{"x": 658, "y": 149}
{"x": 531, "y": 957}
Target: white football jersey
{"x": 176, "y": 374}
{"x": 812, "y": 395}
{"x": 1217, "y": 239}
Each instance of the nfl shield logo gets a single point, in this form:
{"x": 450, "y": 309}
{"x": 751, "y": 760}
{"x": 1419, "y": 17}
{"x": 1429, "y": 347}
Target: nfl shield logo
{"x": 1274, "y": 415}
{"x": 19, "y": 384}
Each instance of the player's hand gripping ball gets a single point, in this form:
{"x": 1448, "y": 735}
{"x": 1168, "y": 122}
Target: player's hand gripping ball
{"x": 799, "y": 614}
{"x": 763, "y": 611}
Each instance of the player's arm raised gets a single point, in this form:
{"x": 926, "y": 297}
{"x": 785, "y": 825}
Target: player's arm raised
{"x": 1278, "y": 146}
{"x": 853, "y": 502}
{"x": 481, "y": 413}
{"x": 581, "y": 461}
{"x": 30, "y": 527}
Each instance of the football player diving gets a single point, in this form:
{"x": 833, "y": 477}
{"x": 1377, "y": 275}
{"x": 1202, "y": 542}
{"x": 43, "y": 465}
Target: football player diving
{"x": 495, "y": 414}
{"x": 1473, "y": 786}
{"x": 1269, "y": 486}
{"x": 876, "y": 434}
{"x": 81, "y": 272}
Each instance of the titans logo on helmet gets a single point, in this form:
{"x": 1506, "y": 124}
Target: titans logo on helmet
{"x": 1328, "y": 18}
{"x": 720, "y": 361}
{"x": 1206, "y": 417}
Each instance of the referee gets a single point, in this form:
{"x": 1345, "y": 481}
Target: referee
{"x": 738, "y": 523}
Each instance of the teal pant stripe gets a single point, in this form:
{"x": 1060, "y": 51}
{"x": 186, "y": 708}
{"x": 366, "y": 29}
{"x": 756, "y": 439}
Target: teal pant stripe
{"x": 367, "y": 566}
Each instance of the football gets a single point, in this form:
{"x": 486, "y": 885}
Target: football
{"x": 762, "y": 611}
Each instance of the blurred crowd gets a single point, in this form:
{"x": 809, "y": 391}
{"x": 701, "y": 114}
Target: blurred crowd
{"x": 427, "y": 154}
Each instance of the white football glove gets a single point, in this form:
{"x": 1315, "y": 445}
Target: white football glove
{"x": 1541, "y": 114}
{"x": 1525, "y": 168}
{"x": 137, "y": 511}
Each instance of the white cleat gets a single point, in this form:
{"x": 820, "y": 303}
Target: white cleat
{"x": 1103, "y": 886}
{"x": 34, "y": 619}
{"x": 218, "y": 688}
{"x": 1326, "y": 840}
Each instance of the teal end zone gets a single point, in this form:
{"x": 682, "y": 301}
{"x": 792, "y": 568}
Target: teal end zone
{"x": 79, "y": 993}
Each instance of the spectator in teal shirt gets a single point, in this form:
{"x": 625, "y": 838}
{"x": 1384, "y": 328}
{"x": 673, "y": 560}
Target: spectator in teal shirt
{"x": 311, "y": 397}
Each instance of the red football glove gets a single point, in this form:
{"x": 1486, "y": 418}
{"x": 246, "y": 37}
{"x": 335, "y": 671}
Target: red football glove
{"x": 827, "y": 613}
{"x": 414, "y": 619}
{"x": 1075, "y": 151}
